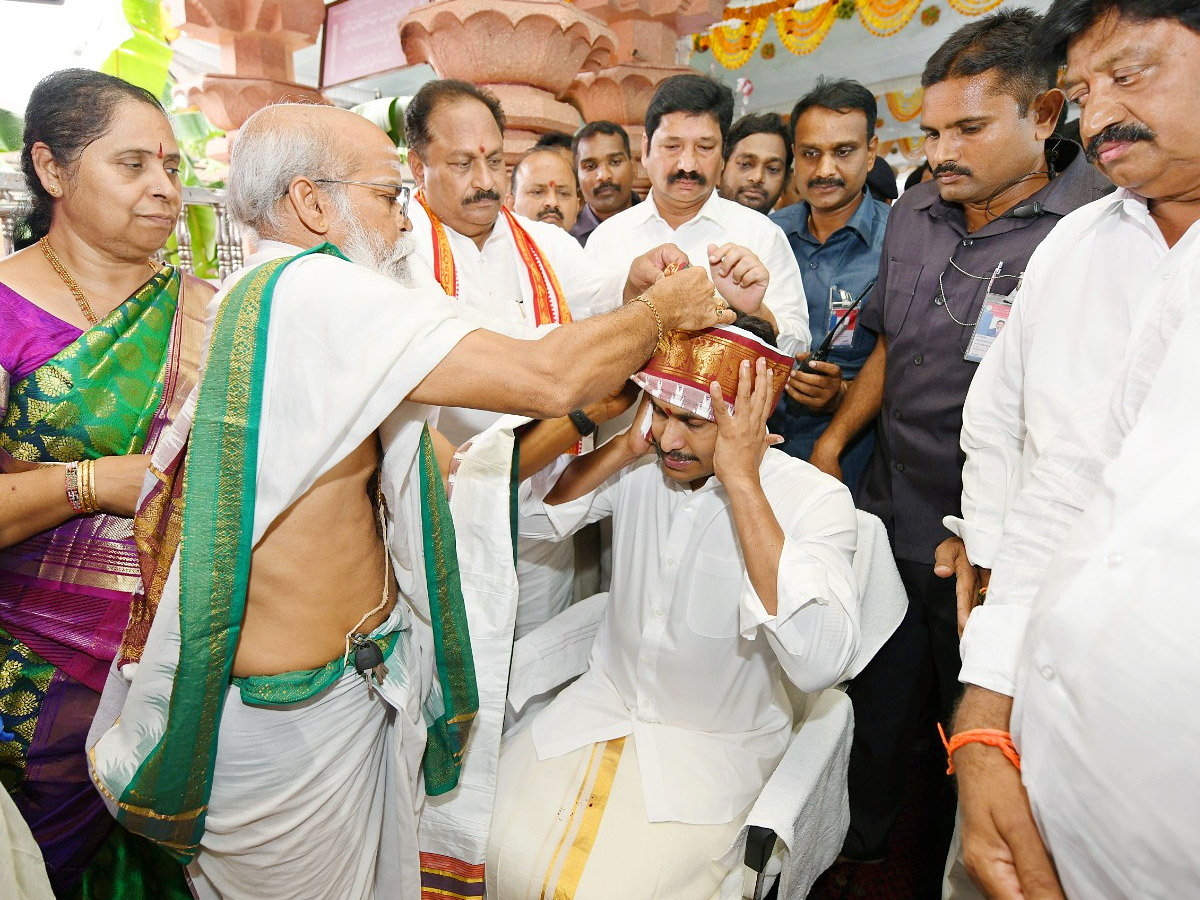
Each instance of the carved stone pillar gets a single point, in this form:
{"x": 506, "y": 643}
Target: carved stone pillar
{"x": 526, "y": 52}
{"x": 647, "y": 31}
{"x": 257, "y": 39}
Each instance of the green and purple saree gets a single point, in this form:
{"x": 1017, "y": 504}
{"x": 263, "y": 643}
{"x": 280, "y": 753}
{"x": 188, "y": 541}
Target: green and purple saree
{"x": 75, "y": 597}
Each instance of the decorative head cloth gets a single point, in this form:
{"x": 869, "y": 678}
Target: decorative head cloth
{"x": 680, "y": 373}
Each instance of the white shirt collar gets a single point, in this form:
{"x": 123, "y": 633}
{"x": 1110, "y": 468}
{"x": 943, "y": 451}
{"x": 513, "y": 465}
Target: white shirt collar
{"x": 712, "y": 209}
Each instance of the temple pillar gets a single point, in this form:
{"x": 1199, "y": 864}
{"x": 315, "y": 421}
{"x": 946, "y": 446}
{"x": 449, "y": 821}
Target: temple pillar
{"x": 257, "y": 39}
{"x": 647, "y": 32}
{"x": 526, "y": 52}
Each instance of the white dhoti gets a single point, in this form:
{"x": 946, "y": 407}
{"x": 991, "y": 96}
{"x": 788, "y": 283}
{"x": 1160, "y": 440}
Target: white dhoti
{"x": 319, "y": 800}
{"x": 576, "y": 827}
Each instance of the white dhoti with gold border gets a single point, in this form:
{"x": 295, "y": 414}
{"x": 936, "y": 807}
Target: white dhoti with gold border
{"x": 575, "y": 827}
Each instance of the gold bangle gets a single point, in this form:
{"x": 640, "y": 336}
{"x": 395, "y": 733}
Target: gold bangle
{"x": 658, "y": 345}
{"x": 87, "y": 486}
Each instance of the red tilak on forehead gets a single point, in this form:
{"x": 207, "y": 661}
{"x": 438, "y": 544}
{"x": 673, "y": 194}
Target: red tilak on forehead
{"x": 481, "y": 151}
{"x": 160, "y": 153}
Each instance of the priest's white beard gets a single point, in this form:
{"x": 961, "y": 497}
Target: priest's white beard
{"x": 367, "y": 248}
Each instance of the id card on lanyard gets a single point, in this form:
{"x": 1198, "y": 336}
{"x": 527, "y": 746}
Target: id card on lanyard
{"x": 992, "y": 319}
{"x": 841, "y": 309}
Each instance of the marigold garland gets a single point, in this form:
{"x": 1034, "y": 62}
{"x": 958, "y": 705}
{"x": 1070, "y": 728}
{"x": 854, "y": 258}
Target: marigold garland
{"x": 734, "y": 40}
{"x": 803, "y": 31}
{"x": 885, "y": 17}
{"x": 912, "y": 149}
{"x": 904, "y": 107}
{"x": 733, "y": 45}
{"x": 974, "y": 7}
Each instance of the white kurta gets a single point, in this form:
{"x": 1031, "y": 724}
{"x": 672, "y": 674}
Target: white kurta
{"x": 494, "y": 283}
{"x": 618, "y": 240}
{"x": 1085, "y": 291}
{"x": 686, "y": 658}
{"x": 1104, "y": 710}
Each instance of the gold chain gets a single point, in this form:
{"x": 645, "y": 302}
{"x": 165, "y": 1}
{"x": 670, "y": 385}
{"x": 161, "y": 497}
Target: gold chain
{"x": 76, "y": 290}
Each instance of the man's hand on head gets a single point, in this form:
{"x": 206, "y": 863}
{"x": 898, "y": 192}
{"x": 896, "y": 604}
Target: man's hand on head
{"x": 637, "y": 437}
{"x": 648, "y": 268}
{"x": 685, "y": 302}
{"x": 739, "y": 275}
{"x": 742, "y": 436}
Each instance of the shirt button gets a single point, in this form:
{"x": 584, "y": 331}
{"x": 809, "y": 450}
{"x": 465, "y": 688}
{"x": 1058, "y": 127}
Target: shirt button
{"x": 658, "y": 613}
{"x": 899, "y": 467}
{"x": 812, "y": 265}
{"x": 898, "y": 415}
{"x": 1114, "y": 559}
{"x": 1167, "y": 276}
{"x": 670, "y": 562}
{"x": 967, "y": 242}
{"x": 1047, "y": 672}
{"x": 918, "y": 359}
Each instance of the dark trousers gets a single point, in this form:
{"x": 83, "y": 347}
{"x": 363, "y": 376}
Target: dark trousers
{"x": 909, "y": 686}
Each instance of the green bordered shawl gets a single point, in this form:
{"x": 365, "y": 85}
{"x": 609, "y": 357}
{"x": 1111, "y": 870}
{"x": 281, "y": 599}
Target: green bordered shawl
{"x": 167, "y": 798}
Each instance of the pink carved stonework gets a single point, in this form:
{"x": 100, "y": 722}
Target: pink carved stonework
{"x": 646, "y": 32}
{"x": 646, "y": 29}
{"x": 257, "y": 39}
{"x": 527, "y": 52}
{"x": 229, "y": 100}
{"x": 619, "y": 93}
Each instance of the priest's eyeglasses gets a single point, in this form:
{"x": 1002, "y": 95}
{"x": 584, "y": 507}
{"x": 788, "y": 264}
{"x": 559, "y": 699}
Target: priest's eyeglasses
{"x": 399, "y": 194}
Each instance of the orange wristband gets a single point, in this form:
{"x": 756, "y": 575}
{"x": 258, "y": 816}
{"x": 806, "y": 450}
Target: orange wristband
{"x": 993, "y": 737}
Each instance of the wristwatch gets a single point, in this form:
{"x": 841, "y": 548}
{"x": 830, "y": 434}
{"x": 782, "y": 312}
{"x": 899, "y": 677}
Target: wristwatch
{"x": 585, "y": 425}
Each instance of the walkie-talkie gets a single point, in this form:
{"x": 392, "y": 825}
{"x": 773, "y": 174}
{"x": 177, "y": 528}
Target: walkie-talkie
{"x": 822, "y": 352}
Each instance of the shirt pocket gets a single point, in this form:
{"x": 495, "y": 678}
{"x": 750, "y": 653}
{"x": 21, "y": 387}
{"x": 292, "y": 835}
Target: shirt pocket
{"x": 712, "y": 609}
{"x": 902, "y": 280}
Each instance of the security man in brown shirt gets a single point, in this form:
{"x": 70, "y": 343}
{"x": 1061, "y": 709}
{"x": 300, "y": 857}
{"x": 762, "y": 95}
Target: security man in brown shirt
{"x": 954, "y": 252}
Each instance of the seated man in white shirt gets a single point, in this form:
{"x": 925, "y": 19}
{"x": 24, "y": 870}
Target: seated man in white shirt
{"x": 732, "y": 567}
{"x": 687, "y": 122}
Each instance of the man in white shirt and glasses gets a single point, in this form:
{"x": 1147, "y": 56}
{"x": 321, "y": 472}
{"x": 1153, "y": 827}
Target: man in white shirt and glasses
{"x": 1087, "y": 638}
{"x": 732, "y": 570}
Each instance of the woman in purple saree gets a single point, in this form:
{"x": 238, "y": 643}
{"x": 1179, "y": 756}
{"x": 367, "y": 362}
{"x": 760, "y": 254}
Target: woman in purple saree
{"x": 99, "y": 348}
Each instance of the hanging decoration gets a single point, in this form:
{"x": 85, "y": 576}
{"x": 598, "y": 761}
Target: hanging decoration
{"x": 735, "y": 42}
{"x": 803, "y": 25}
{"x": 912, "y": 149}
{"x": 884, "y": 18}
{"x": 802, "y": 31}
{"x": 758, "y": 11}
{"x": 904, "y": 107}
{"x": 974, "y": 7}
{"x": 768, "y": 50}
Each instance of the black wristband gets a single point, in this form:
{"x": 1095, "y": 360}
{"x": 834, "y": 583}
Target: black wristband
{"x": 585, "y": 425}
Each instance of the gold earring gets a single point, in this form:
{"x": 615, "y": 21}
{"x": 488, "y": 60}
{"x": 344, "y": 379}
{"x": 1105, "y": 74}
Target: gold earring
{"x": 53, "y": 191}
